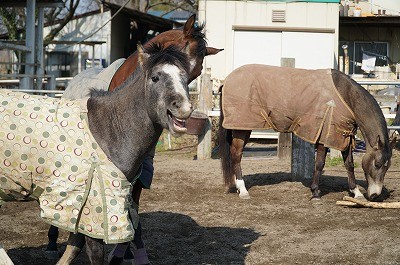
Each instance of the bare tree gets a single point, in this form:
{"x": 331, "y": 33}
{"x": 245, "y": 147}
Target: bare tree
{"x": 66, "y": 14}
{"x": 14, "y": 18}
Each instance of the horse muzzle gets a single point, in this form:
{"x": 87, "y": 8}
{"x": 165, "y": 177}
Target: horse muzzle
{"x": 374, "y": 189}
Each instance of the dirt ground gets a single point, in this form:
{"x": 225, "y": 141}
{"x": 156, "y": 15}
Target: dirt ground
{"x": 188, "y": 219}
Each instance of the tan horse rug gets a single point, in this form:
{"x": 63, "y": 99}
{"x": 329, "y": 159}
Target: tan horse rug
{"x": 304, "y": 102}
{"x": 48, "y": 154}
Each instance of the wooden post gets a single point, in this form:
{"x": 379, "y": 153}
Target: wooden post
{"x": 341, "y": 64}
{"x": 205, "y": 104}
{"x": 346, "y": 59}
{"x": 302, "y": 152}
{"x": 285, "y": 139}
{"x": 284, "y": 146}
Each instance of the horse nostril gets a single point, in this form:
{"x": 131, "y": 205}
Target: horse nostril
{"x": 373, "y": 196}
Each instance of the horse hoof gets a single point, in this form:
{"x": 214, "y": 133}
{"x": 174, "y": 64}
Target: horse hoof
{"x": 231, "y": 190}
{"x": 52, "y": 254}
{"x": 316, "y": 200}
{"x": 361, "y": 198}
{"x": 244, "y": 196}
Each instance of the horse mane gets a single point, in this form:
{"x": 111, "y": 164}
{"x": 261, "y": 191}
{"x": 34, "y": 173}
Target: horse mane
{"x": 362, "y": 102}
{"x": 169, "y": 55}
{"x": 95, "y": 92}
{"x": 199, "y": 35}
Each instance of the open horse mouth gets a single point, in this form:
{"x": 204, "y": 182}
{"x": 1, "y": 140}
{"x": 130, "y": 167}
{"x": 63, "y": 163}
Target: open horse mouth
{"x": 176, "y": 124}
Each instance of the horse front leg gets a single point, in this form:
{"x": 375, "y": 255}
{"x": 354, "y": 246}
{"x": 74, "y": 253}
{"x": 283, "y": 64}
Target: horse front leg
{"x": 319, "y": 166}
{"x": 51, "y": 249}
{"x": 74, "y": 246}
{"x": 240, "y": 138}
{"x": 121, "y": 252}
{"x": 349, "y": 165}
{"x": 95, "y": 250}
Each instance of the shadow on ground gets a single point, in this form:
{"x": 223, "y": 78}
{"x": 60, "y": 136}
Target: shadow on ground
{"x": 174, "y": 238}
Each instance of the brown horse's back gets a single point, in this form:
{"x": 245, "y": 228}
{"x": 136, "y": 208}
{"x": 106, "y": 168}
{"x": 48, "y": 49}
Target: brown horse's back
{"x": 301, "y": 101}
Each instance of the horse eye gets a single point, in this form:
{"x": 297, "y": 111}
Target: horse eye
{"x": 155, "y": 79}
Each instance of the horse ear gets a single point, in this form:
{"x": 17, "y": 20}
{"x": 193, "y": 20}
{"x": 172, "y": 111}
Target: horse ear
{"x": 378, "y": 144}
{"x": 212, "y": 51}
{"x": 393, "y": 141}
{"x": 142, "y": 55}
{"x": 188, "y": 28}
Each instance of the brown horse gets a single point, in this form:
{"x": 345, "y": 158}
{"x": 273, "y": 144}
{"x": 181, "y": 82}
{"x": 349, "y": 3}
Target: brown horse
{"x": 278, "y": 98}
{"x": 189, "y": 37}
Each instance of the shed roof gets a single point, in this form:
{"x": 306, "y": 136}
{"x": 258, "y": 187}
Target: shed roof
{"x": 39, "y": 3}
{"x": 370, "y": 21}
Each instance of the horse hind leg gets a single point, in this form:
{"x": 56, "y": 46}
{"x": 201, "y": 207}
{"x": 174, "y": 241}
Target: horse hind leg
{"x": 95, "y": 250}
{"x": 74, "y": 247}
{"x": 349, "y": 165}
{"x": 51, "y": 249}
{"x": 319, "y": 166}
{"x": 240, "y": 138}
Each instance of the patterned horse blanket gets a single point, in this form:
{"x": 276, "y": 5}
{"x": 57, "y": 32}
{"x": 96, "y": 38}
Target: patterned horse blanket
{"x": 304, "y": 102}
{"x": 48, "y": 154}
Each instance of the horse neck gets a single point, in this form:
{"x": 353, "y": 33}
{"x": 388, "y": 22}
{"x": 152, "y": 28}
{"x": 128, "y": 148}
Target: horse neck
{"x": 120, "y": 124}
{"x": 130, "y": 64}
{"x": 368, "y": 115}
{"x": 124, "y": 71}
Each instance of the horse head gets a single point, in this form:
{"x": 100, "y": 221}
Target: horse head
{"x": 375, "y": 163}
{"x": 193, "y": 37}
{"x": 166, "y": 73}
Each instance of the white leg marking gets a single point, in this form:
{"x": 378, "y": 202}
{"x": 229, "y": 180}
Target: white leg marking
{"x": 357, "y": 193}
{"x": 243, "y": 193}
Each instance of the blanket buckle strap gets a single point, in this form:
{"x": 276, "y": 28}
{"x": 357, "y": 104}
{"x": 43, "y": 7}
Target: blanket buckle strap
{"x": 268, "y": 119}
{"x": 295, "y": 124}
{"x": 35, "y": 194}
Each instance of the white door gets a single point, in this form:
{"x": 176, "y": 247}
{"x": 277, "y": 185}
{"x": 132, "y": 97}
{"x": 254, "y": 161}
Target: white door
{"x": 259, "y": 47}
{"x": 311, "y": 50}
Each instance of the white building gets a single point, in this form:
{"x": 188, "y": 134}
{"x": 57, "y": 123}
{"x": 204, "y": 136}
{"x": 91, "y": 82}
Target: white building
{"x": 267, "y": 32}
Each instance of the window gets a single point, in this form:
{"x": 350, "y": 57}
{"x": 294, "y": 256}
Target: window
{"x": 356, "y": 49}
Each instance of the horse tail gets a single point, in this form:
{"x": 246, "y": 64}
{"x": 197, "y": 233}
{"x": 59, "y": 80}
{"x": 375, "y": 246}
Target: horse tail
{"x": 225, "y": 142}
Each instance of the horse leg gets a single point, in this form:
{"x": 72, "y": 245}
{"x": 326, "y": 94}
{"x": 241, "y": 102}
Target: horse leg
{"x": 239, "y": 140}
{"x": 121, "y": 251}
{"x": 319, "y": 166}
{"x": 74, "y": 246}
{"x": 51, "y": 249}
{"x": 95, "y": 250}
{"x": 349, "y": 165}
